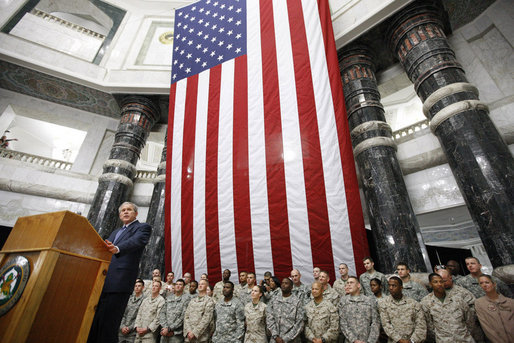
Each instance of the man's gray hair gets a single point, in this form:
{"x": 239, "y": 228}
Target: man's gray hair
{"x": 128, "y": 203}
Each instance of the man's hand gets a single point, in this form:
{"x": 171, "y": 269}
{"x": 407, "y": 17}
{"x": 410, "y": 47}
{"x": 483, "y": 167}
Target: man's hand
{"x": 111, "y": 247}
{"x": 190, "y": 335}
{"x": 279, "y": 340}
{"x": 142, "y": 331}
{"x": 404, "y": 341}
{"x": 164, "y": 332}
{"x": 125, "y": 330}
{"x": 317, "y": 340}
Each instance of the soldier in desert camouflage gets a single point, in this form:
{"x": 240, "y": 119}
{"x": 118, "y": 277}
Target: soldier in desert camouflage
{"x": 402, "y": 318}
{"x": 322, "y": 324}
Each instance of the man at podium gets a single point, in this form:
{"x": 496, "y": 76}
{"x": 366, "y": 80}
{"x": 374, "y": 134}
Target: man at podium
{"x": 126, "y": 244}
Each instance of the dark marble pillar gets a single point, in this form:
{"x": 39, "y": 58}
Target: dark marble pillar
{"x": 138, "y": 115}
{"x": 393, "y": 222}
{"x": 153, "y": 256}
{"x": 479, "y": 158}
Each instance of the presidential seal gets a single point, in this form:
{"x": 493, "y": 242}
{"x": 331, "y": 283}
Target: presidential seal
{"x": 13, "y": 278}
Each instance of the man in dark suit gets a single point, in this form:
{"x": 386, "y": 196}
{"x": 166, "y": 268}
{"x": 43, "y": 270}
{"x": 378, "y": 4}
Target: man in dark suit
{"x": 127, "y": 244}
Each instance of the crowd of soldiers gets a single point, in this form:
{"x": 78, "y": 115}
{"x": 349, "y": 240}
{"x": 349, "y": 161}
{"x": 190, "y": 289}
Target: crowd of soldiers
{"x": 371, "y": 308}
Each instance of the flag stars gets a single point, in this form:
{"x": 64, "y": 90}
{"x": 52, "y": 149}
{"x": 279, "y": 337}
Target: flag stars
{"x": 221, "y": 43}
{"x": 186, "y": 16}
{"x": 182, "y": 52}
{"x": 179, "y": 14}
{"x": 191, "y": 30}
{"x": 176, "y": 48}
{"x": 238, "y": 36}
{"x": 220, "y": 57}
{"x": 190, "y": 43}
{"x": 193, "y": 18}
{"x": 214, "y": 27}
{"x": 222, "y": 6}
{"x": 199, "y": 46}
{"x": 208, "y": 12}
{"x": 193, "y": 8}
{"x": 188, "y": 70}
{"x": 185, "y": 27}
{"x": 181, "y": 65}
{"x": 222, "y": 17}
{"x": 212, "y": 54}
{"x": 207, "y": 24}
{"x": 200, "y": 21}
{"x": 215, "y": 4}
{"x": 183, "y": 39}
{"x": 197, "y": 60}
{"x": 201, "y": 10}
{"x": 230, "y": 19}
{"x": 205, "y": 50}
{"x": 238, "y": 10}
{"x": 206, "y": 36}
{"x": 189, "y": 56}
{"x": 238, "y": 22}
{"x": 215, "y": 15}
{"x": 229, "y": 33}
{"x": 199, "y": 33}
{"x": 174, "y": 76}
{"x": 231, "y": 7}
{"x": 179, "y": 24}
{"x": 204, "y": 64}
{"x": 213, "y": 39}
{"x": 221, "y": 30}
{"x": 238, "y": 50}
{"x": 229, "y": 46}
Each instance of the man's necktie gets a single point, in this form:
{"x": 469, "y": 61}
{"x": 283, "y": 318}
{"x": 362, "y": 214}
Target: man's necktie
{"x": 119, "y": 234}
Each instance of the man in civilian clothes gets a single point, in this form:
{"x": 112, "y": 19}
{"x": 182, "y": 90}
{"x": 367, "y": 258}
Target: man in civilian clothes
{"x": 126, "y": 244}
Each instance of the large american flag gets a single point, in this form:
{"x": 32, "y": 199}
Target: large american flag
{"x": 260, "y": 170}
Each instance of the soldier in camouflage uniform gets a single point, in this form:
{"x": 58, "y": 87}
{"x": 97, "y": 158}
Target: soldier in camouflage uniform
{"x": 371, "y": 273}
{"x": 402, "y": 318}
{"x": 198, "y": 316}
{"x": 300, "y": 289}
{"x": 457, "y": 291}
{"x": 448, "y": 318}
{"x": 329, "y": 293}
{"x": 284, "y": 315}
{"x": 171, "y": 317}
{"x": 255, "y": 313}
{"x": 341, "y": 282}
{"x": 244, "y": 293}
{"x": 322, "y": 323}
{"x": 193, "y": 287}
{"x": 358, "y": 315}
{"x": 454, "y": 268}
{"x": 217, "y": 292}
{"x": 274, "y": 290}
{"x": 470, "y": 281}
{"x": 411, "y": 288}
{"x": 127, "y": 333}
{"x": 241, "y": 285}
{"x": 147, "y": 320}
{"x": 229, "y": 317}
{"x": 187, "y": 280}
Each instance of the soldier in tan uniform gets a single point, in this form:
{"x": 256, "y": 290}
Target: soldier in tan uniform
{"x": 402, "y": 318}
{"x": 187, "y": 280}
{"x": 322, "y": 324}
{"x": 147, "y": 320}
{"x": 217, "y": 292}
{"x": 127, "y": 333}
{"x": 341, "y": 282}
{"x": 449, "y": 318}
{"x": 241, "y": 285}
{"x": 329, "y": 293}
{"x": 255, "y": 317}
{"x": 198, "y": 316}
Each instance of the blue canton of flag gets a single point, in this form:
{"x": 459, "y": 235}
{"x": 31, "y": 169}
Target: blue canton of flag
{"x": 207, "y": 33}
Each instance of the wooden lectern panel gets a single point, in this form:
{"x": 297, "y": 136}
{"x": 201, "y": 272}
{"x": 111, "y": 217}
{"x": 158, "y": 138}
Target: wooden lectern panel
{"x": 68, "y": 264}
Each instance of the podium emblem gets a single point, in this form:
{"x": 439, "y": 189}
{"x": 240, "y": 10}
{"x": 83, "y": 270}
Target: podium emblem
{"x": 13, "y": 278}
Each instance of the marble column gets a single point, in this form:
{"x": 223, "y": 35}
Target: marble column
{"x": 138, "y": 115}
{"x": 479, "y": 158}
{"x": 153, "y": 256}
{"x": 393, "y": 223}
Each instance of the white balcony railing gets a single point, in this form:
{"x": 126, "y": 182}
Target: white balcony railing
{"x": 35, "y": 159}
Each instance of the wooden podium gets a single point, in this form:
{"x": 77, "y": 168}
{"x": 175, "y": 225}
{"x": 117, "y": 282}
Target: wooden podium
{"x": 68, "y": 264}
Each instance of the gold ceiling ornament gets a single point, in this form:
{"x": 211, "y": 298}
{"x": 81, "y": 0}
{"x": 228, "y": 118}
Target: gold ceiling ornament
{"x": 166, "y": 37}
